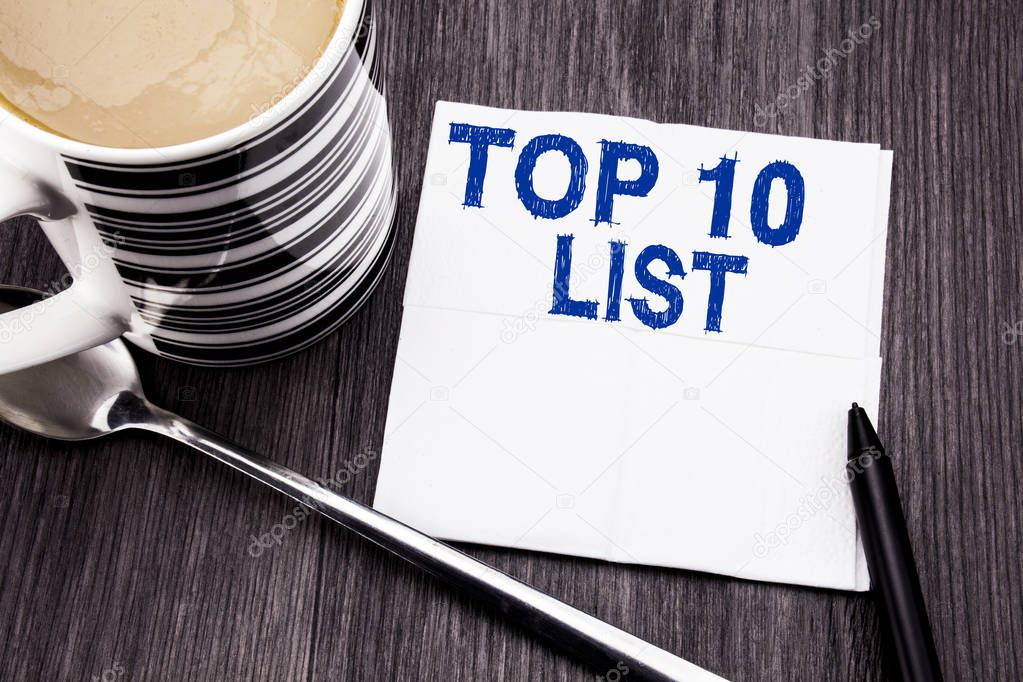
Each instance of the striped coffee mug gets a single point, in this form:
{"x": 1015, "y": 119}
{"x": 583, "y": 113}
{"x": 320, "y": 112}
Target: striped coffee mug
{"x": 232, "y": 250}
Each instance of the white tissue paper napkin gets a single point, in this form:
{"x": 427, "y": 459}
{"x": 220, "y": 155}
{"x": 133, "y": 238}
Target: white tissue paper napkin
{"x": 638, "y": 342}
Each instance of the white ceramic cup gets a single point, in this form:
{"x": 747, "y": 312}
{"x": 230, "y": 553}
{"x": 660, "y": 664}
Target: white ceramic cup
{"x": 235, "y": 249}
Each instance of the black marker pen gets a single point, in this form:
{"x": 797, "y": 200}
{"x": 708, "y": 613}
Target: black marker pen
{"x": 893, "y": 575}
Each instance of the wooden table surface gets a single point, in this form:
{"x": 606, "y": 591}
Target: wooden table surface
{"x": 130, "y": 559}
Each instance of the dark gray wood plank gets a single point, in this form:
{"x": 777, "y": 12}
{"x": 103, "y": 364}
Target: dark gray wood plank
{"x": 132, "y": 556}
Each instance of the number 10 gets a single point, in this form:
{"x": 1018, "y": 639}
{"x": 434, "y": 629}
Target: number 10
{"x": 723, "y": 177}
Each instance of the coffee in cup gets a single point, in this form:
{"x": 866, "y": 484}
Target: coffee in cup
{"x": 119, "y": 73}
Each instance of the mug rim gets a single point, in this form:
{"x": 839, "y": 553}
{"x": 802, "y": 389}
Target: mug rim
{"x": 340, "y": 40}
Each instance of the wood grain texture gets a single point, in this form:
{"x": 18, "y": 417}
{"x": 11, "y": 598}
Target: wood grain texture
{"x": 131, "y": 556}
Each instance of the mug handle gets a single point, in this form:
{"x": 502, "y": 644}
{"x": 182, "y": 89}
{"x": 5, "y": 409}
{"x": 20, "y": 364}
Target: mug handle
{"x": 91, "y": 312}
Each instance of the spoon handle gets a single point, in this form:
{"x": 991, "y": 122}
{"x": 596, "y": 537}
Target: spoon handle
{"x": 610, "y": 651}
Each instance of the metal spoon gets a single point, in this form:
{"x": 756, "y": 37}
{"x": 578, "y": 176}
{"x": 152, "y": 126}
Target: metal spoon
{"x": 98, "y": 392}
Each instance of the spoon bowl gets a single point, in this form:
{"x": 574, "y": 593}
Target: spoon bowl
{"x": 70, "y": 398}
